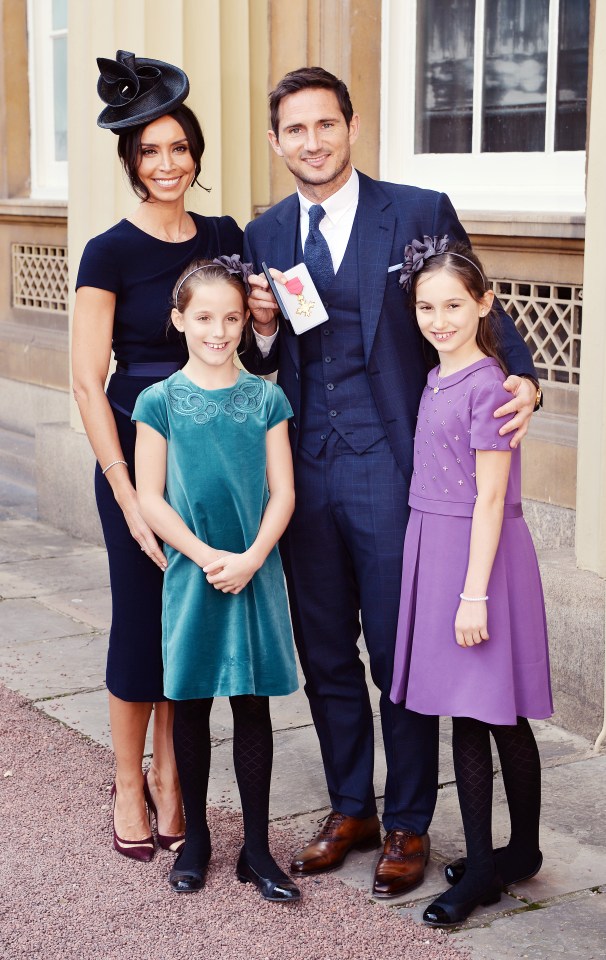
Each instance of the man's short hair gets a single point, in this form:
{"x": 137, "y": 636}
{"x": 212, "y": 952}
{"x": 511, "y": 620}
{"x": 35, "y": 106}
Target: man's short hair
{"x": 306, "y": 78}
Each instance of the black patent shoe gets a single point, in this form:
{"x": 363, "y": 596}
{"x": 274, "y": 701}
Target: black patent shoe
{"x": 455, "y": 871}
{"x": 278, "y": 891}
{"x": 187, "y": 881}
{"x": 441, "y": 913}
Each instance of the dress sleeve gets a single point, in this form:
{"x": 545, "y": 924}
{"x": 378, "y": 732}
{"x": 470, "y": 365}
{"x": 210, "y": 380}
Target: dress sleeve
{"x": 99, "y": 266}
{"x": 278, "y": 407}
{"x": 484, "y": 426}
{"x": 150, "y": 408}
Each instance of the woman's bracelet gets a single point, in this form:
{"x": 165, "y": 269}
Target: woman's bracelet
{"x": 113, "y": 464}
{"x": 472, "y": 599}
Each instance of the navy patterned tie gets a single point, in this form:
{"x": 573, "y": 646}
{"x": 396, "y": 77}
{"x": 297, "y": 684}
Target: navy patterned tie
{"x": 316, "y": 254}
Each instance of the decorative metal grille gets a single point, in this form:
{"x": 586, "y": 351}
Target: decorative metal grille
{"x": 548, "y": 316}
{"x": 40, "y": 277}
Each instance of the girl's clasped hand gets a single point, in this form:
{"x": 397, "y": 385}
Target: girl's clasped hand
{"x": 231, "y": 572}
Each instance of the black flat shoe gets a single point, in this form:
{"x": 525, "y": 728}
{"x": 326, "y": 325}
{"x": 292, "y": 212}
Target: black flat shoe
{"x": 455, "y": 871}
{"x": 444, "y": 914}
{"x": 187, "y": 881}
{"x": 278, "y": 891}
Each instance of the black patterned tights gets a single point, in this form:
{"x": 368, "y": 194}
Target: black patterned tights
{"x": 521, "y": 770}
{"x": 253, "y": 754}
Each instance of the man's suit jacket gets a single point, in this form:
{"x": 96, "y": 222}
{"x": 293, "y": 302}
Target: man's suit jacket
{"x": 389, "y": 216}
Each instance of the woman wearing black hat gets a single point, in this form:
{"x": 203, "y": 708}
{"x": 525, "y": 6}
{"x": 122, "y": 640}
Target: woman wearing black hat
{"x": 122, "y": 304}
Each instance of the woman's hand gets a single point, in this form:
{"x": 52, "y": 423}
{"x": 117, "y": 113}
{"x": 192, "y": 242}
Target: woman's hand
{"x": 231, "y": 572}
{"x": 471, "y": 623}
{"x": 142, "y": 532}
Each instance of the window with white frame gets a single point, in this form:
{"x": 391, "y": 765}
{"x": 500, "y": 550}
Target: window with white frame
{"x": 486, "y": 100}
{"x": 47, "y": 27}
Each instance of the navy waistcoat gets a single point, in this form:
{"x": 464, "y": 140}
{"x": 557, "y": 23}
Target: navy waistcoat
{"x": 336, "y": 393}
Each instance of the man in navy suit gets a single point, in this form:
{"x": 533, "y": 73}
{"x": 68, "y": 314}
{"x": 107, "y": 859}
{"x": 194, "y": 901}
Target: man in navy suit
{"x": 354, "y": 383}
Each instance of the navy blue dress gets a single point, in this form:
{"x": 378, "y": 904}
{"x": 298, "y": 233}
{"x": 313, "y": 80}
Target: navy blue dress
{"x": 142, "y": 272}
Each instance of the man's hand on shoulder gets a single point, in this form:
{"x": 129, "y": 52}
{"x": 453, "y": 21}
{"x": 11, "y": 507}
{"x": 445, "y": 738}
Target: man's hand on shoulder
{"x": 520, "y": 408}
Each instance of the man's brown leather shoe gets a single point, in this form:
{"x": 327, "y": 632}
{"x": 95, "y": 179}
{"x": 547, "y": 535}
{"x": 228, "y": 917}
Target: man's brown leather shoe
{"x": 401, "y": 866}
{"x": 339, "y": 835}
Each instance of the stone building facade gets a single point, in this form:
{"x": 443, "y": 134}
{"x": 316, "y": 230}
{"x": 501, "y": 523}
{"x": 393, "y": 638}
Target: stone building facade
{"x": 533, "y": 214}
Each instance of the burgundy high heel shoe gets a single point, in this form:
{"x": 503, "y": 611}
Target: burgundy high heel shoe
{"x": 174, "y": 844}
{"x": 142, "y": 850}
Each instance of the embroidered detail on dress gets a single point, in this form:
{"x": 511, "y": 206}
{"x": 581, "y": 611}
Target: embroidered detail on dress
{"x": 191, "y": 403}
{"x": 243, "y": 399}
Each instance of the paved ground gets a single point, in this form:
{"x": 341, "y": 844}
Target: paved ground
{"x": 54, "y": 617}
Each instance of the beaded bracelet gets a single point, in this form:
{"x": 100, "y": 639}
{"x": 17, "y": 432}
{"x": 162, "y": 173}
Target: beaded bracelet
{"x": 113, "y": 464}
{"x": 472, "y": 599}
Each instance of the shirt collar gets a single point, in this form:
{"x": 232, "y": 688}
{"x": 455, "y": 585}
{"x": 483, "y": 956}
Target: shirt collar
{"x": 338, "y": 203}
{"x": 435, "y": 380}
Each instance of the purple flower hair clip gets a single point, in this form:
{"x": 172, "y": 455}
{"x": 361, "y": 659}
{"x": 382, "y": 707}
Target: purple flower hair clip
{"x": 417, "y": 253}
{"x": 235, "y": 265}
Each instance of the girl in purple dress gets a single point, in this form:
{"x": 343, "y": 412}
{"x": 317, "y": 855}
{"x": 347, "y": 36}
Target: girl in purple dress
{"x": 472, "y": 640}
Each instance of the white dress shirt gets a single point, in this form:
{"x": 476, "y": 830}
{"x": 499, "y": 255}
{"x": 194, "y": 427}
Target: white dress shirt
{"x": 340, "y": 210}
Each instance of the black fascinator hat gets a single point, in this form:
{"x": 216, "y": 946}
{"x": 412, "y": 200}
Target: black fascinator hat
{"x": 138, "y": 90}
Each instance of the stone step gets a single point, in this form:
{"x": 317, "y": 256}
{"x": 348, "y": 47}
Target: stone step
{"x": 18, "y": 497}
{"x": 17, "y": 458}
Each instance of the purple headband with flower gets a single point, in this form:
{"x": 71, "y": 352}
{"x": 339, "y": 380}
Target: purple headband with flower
{"x": 232, "y": 265}
{"x": 417, "y": 252}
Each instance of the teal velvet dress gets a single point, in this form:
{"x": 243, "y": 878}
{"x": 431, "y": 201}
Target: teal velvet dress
{"x": 213, "y": 643}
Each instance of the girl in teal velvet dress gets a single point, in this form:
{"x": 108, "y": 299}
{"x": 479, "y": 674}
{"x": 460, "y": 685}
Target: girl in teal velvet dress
{"x": 216, "y": 485}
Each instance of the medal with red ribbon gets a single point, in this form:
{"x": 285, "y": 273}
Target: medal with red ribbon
{"x": 295, "y": 287}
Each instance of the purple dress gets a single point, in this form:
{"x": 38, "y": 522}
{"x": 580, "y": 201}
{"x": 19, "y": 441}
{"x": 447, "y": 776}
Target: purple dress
{"x": 506, "y": 676}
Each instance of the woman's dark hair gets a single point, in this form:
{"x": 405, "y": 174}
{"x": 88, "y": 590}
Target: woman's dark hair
{"x": 129, "y": 147}
{"x": 200, "y": 272}
{"x": 460, "y": 261}
{"x": 306, "y": 78}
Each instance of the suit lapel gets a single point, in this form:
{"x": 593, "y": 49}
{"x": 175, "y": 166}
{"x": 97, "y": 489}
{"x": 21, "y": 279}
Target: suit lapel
{"x": 284, "y": 238}
{"x": 284, "y": 256}
{"x": 376, "y": 227}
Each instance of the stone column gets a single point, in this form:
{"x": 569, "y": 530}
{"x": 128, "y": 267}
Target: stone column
{"x": 591, "y": 463}
{"x": 344, "y": 38}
